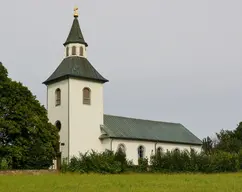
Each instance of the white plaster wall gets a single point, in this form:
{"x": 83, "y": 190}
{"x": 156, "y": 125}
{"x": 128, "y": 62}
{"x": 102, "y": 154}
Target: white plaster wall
{"x": 85, "y": 120}
{"x": 59, "y": 112}
{"x": 106, "y": 144}
{"x": 132, "y": 148}
{"x": 78, "y": 45}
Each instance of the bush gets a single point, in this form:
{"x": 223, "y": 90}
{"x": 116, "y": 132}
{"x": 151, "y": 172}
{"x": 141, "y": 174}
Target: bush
{"x": 185, "y": 161}
{"x": 240, "y": 158}
{"x": 4, "y": 164}
{"x": 104, "y": 162}
{"x": 142, "y": 165}
{"x": 172, "y": 161}
{"x": 224, "y": 162}
{"x": 120, "y": 156}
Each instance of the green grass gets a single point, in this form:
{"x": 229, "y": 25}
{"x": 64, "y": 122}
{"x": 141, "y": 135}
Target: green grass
{"x": 117, "y": 183}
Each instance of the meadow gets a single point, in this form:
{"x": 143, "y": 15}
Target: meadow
{"x": 124, "y": 182}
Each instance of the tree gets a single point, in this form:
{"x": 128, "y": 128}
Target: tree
{"x": 238, "y": 131}
{"x": 120, "y": 156}
{"x": 207, "y": 145}
{"x": 27, "y": 139}
{"x": 228, "y": 141}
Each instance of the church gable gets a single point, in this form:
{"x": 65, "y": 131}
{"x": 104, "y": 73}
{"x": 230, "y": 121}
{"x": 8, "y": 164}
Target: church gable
{"x": 139, "y": 129}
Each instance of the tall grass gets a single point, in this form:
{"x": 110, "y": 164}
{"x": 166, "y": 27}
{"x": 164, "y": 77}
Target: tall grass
{"x": 123, "y": 183}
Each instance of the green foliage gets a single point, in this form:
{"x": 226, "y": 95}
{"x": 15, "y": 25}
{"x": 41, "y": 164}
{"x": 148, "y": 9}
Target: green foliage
{"x": 224, "y": 162}
{"x": 25, "y": 134}
{"x": 142, "y": 165}
{"x": 207, "y": 145}
{"x": 64, "y": 166}
{"x": 185, "y": 161}
{"x": 240, "y": 158}
{"x": 4, "y": 163}
{"x": 228, "y": 141}
{"x": 238, "y": 131}
{"x": 170, "y": 162}
{"x": 95, "y": 162}
{"x": 120, "y": 156}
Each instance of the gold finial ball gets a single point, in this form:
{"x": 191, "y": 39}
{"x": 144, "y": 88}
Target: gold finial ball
{"x": 76, "y": 12}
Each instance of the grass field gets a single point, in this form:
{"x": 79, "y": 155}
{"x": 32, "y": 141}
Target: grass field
{"x": 116, "y": 183}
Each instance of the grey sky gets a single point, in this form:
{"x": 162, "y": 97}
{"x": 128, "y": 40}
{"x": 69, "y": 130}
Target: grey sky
{"x": 176, "y": 61}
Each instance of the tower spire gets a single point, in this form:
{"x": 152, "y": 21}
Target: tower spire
{"x": 75, "y": 34}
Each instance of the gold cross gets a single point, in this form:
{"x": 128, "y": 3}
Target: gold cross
{"x": 76, "y": 12}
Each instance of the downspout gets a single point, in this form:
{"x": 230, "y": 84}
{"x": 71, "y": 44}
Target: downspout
{"x": 68, "y": 157}
{"x": 155, "y": 147}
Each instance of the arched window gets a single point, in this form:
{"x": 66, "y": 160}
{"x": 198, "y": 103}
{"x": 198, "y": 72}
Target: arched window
{"x": 177, "y": 150}
{"x": 67, "y": 51}
{"x": 58, "y": 125}
{"x": 159, "y": 150}
{"x": 141, "y": 152}
{"x": 86, "y": 96}
{"x": 122, "y": 148}
{"x": 57, "y": 97}
{"x": 74, "y": 50}
{"x": 81, "y": 51}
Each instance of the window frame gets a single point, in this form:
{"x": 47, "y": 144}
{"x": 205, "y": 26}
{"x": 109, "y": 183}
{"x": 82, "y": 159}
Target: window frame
{"x": 73, "y": 51}
{"x": 81, "y": 51}
{"x": 122, "y": 146}
{"x": 58, "y": 123}
{"x": 58, "y": 97}
{"x": 143, "y": 153}
{"x": 159, "y": 149}
{"x": 86, "y": 100}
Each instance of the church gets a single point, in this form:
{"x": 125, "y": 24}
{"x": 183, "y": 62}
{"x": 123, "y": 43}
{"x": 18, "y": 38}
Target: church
{"x": 75, "y": 107}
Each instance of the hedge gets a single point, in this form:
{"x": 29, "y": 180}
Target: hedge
{"x": 173, "y": 162}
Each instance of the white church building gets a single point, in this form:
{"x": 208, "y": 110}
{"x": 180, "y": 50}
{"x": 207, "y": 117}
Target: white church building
{"x": 75, "y": 106}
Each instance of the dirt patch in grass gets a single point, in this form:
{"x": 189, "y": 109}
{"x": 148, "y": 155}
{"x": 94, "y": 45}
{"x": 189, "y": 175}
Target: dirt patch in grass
{"x": 27, "y": 172}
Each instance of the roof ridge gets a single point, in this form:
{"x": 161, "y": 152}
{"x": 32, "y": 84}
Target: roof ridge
{"x": 143, "y": 119}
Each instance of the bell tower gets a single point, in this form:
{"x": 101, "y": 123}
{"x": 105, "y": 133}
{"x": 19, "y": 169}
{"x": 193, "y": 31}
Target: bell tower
{"x": 75, "y": 97}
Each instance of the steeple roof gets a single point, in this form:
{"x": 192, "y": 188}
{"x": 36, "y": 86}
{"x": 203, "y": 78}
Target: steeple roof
{"x": 75, "y": 67}
{"x": 75, "y": 35}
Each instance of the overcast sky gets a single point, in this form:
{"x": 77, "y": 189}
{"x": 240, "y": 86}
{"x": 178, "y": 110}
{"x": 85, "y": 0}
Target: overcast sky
{"x": 178, "y": 61}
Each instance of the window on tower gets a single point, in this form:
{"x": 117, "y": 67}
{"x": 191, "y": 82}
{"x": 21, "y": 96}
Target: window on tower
{"x": 86, "y": 96}
{"x": 74, "y": 50}
{"x": 57, "y": 97}
{"x": 81, "y": 51}
{"x": 67, "y": 51}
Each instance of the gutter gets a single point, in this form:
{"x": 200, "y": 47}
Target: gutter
{"x": 152, "y": 140}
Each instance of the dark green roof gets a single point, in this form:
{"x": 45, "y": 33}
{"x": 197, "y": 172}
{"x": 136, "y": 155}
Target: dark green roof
{"x": 139, "y": 129}
{"x": 77, "y": 67}
{"x": 75, "y": 35}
